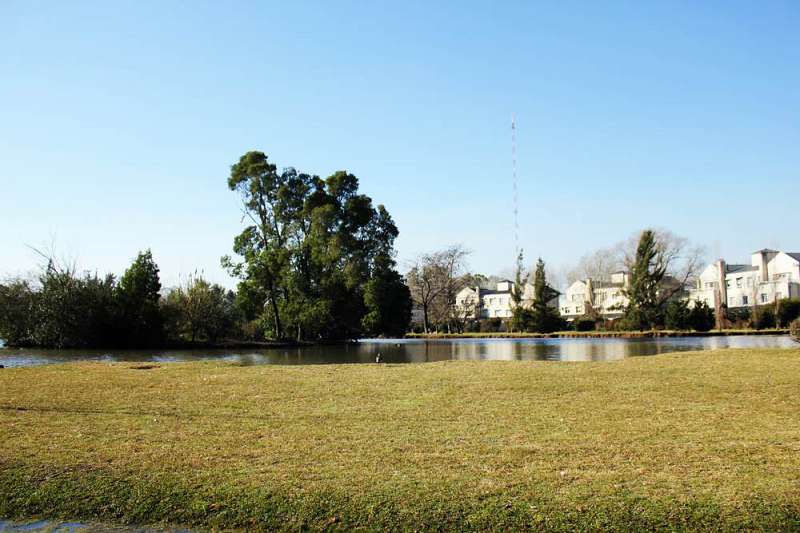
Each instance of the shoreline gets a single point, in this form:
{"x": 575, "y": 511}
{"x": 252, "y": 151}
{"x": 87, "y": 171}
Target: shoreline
{"x": 222, "y": 345}
{"x": 599, "y": 334}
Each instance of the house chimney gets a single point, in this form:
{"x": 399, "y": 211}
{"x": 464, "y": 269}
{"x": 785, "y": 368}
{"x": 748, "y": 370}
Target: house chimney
{"x": 764, "y": 266}
{"x": 723, "y": 286}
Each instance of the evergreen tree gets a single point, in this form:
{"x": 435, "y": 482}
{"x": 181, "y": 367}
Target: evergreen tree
{"x": 388, "y": 302}
{"x": 644, "y": 309}
{"x": 138, "y": 294}
{"x": 677, "y": 315}
{"x": 701, "y": 316}
{"x": 544, "y": 318}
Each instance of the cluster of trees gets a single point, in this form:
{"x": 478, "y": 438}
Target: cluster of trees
{"x": 660, "y": 265}
{"x": 435, "y": 279}
{"x": 316, "y": 261}
{"x": 64, "y": 309}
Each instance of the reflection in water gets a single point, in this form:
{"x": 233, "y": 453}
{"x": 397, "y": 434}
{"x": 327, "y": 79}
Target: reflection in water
{"x": 412, "y": 351}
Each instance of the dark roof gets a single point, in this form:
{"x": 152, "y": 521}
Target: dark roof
{"x": 493, "y": 291}
{"x": 795, "y": 256}
{"x": 766, "y": 251}
{"x": 731, "y": 269}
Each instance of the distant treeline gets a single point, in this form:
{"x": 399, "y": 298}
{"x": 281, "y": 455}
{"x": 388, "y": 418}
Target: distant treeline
{"x": 64, "y": 309}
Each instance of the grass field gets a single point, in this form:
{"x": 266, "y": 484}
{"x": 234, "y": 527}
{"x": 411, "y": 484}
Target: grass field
{"x": 706, "y": 440}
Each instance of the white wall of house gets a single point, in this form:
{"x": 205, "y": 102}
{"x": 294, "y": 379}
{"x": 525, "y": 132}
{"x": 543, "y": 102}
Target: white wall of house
{"x": 605, "y": 297}
{"x": 771, "y": 275}
{"x": 497, "y": 303}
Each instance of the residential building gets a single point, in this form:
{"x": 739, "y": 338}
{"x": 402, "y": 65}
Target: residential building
{"x": 605, "y": 297}
{"x": 771, "y": 275}
{"x": 495, "y": 303}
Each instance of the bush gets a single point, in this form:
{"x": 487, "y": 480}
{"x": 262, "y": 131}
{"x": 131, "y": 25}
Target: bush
{"x": 200, "y": 311}
{"x": 472, "y": 326}
{"x": 701, "y": 317}
{"x": 794, "y": 329}
{"x": 491, "y": 325}
{"x": 740, "y": 318}
{"x": 677, "y": 315}
{"x": 787, "y": 310}
{"x": 764, "y": 318}
{"x": 584, "y": 324}
{"x": 17, "y": 306}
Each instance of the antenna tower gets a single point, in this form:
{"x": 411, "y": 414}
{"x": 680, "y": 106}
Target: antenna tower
{"x": 514, "y": 181}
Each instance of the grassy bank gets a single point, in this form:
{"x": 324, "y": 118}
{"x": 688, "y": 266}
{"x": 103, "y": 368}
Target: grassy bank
{"x": 599, "y": 334}
{"x": 691, "y": 441}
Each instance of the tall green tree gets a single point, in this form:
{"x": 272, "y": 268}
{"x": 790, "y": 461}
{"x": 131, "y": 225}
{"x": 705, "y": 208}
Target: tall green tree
{"x": 309, "y": 250}
{"x": 645, "y": 309}
{"x": 138, "y": 294}
{"x": 388, "y": 302}
{"x": 544, "y": 318}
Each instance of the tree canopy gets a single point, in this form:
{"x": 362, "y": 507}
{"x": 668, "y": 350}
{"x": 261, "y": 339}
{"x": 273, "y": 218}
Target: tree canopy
{"x": 311, "y": 251}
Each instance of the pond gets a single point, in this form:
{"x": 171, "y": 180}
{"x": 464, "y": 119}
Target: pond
{"x": 412, "y": 351}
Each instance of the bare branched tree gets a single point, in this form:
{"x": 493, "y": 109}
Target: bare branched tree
{"x": 599, "y": 264}
{"x": 681, "y": 260}
{"x": 434, "y": 280}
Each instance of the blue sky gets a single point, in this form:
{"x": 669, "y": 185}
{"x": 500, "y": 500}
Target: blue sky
{"x": 119, "y": 121}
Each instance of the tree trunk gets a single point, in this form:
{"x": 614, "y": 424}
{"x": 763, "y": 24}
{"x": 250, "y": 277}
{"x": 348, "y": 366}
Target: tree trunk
{"x": 274, "y": 303}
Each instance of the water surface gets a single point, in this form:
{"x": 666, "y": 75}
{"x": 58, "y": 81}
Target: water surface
{"x": 411, "y": 351}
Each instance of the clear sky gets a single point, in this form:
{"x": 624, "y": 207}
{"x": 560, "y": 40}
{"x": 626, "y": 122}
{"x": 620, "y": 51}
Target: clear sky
{"x": 119, "y": 122}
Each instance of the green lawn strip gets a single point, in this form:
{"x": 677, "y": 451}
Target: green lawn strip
{"x": 167, "y": 500}
{"x": 703, "y": 440}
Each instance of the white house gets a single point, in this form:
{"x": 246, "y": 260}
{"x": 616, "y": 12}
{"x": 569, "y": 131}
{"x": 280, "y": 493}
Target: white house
{"x": 771, "y": 275}
{"x": 607, "y": 298}
{"x": 494, "y": 303}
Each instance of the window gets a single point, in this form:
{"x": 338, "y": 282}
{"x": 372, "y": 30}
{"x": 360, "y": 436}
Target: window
{"x": 728, "y": 283}
{"x": 763, "y": 297}
{"x": 739, "y": 282}
{"x": 579, "y": 310}
{"x": 744, "y": 300}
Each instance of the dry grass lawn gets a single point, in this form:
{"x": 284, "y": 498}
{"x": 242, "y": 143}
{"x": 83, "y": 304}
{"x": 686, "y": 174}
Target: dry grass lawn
{"x": 707, "y": 440}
